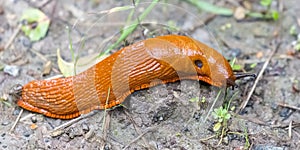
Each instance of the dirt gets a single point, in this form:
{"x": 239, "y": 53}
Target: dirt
{"x": 162, "y": 117}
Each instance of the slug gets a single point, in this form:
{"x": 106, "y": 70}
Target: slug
{"x": 141, "y": 65}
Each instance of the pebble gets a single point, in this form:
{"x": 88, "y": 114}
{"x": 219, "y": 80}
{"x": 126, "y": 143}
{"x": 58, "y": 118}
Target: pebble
{"x": 267, "y": 147}
{"x": 5, "y": 123}
{"x": 285, "y": 112}
{"x": 12, "y": 70}
{"x": 235, "y": 52}
{"x": 85, "y": 127}
{"x": 107, "y": 147}
{"x": 27, "y": 133}
{"x": 16, "y": 112}
{"x": 73, "y": 132}
{"x": 47, "y": 143}
{"x": 26, "y": 42}
{"x": 64, "y": 138}
{"x": 33, "y": 119}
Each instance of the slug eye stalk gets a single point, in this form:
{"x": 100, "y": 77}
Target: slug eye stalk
{"x": 243, "y": 75}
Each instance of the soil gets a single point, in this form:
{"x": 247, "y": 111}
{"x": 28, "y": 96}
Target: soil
{"x": 164, "y": 116}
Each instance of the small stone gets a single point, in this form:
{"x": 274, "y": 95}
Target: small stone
{"x": 33, "y": 119}
{"x": 107, "y": 147}
{"x": 47, "y": 142}
{"x": 235, "y": 52}
{"x": 247, "y": 5}
{"x": 285, "y": 112}
{"x": 73, "y": 132}
{"x": 26, "y": 42}
{"x": 12, "y": 70}
{"x": 5, "y": 123}
{"x": 231, "y": 137}
{"x": 64, "y": 138}
{"x": 16, "y": 112}
{"x": 57, "y": 133}
{"x": 239, "y": 13}
{"x": 225, "y": 140}
{"x": 163, "y": 93}
{"x": 27, "y": 133}
{"x": 267, "y": 147}
{"x": 85, "y": 127}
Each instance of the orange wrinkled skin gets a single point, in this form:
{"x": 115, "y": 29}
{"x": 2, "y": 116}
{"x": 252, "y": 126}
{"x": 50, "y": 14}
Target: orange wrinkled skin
{"x": 142, "y": 65}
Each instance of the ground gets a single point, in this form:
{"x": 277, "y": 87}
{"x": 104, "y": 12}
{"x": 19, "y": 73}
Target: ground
{"x": 162, "y": 117}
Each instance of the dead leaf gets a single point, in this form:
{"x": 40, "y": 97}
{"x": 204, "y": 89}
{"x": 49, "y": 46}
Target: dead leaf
{"x": 47, "y": 68}
{"x": 67, "y": 68}
{"x": 33, "y": 126}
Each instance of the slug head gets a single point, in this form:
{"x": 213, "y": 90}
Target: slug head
{"x": 195, "y": 60}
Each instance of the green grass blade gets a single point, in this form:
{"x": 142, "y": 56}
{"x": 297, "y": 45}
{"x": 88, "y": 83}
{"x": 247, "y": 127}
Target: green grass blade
{"x": 128, "y": 30}
{"x": 205, "y": 6}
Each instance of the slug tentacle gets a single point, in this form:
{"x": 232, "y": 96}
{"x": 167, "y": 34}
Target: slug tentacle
{"x": 142, "y": 65}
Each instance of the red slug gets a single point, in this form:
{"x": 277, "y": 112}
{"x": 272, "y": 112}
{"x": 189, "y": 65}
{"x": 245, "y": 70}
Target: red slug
{"x": 142, "y": 65}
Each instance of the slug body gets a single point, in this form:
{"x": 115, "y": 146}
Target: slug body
{"x": 142, "y": 65}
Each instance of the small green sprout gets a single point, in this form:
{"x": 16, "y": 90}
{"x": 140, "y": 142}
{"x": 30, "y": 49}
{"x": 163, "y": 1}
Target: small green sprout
{"x": 275, "y": 15}
{"x": 236, "y": 67}
{"x": 178, "y": 134}
{"x": 292, "y": 30}
{"x": 297, "y": 46}
{"x": 266, "y": 3}
{"x": 194, "y": 99}
{"x": 253, "y": 65}
{"x": 203, "y": 100}
{"x": 270, "y": 13}
{"x": 222, "y": 115}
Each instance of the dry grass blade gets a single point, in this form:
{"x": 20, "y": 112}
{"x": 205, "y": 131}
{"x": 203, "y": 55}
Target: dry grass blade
{"x": 259, "y": 76}
{"x": 17, "y": 120}
{"x": 11, "y": 39}
{"x": 288, "y": 106}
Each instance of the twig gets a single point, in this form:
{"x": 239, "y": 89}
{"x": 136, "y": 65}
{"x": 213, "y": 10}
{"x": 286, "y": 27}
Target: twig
{"x": 106, "y": 119}
{"x": 106, "y": 126}
{"x": 290, "y": 129}
{"x": 285, "y": 126}
{"x": 11, "y": 39}
{"x": 73, "y": 121}
{"x": 252, "y": 119}
{"x": 207, "y": 138}
{"x": 27, "y": 116}
{"x": 39, "y": 55}
{"x": 288, "y": 106}
{"x": 258, "y": 77}
{"x": 44, "y": 4}
{"x": 140, "y": 136}
{"x": 17, "y": 120}
{"x": 222, "y": 136}
{"x": 136, "y": 128}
